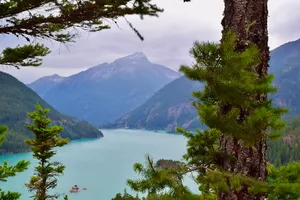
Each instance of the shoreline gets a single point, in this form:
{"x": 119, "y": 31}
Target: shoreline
{"x": 151, "y": 130}
{"x": 71, "y": 141}
{"x": 95, "y": 138}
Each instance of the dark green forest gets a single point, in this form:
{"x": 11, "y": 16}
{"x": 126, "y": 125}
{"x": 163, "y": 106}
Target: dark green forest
{"x": 16, "y": 101}
{"x": 287, "y": 148}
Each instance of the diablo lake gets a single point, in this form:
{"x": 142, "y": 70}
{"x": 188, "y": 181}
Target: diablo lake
{"x": 102, "y": 165}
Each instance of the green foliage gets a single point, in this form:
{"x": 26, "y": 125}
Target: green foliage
{"x": 27, "y": 55}
{"x": 46, "y": 138}
{"x": 7, "y": 171}
{"x": 157, "y": 180}
{"x": 285, "y": 182}
{"x": 9, "y": 195}
{"x": 54, "y": 20}
{"x": 125, "y": 196}
{"x": 231, "y": 80}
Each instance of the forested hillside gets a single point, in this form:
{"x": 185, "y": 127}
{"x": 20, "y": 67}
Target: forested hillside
{"x": 287, "y": 149}
{"x": 16, "y": 100}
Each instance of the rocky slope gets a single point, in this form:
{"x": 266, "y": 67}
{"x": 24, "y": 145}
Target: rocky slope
{"x": 168, "y": 108}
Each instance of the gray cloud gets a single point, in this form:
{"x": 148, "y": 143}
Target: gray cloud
{"x": 167, "y": 38}
{"x": 284, "y": 21}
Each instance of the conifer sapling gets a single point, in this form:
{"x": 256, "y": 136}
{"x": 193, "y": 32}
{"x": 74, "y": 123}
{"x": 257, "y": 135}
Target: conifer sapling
{"x": 46, "y": 138}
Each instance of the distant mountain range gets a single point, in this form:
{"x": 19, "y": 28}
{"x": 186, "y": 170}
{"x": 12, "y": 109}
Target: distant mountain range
{"x": 45, "y": 84}
{"x": 17, "y": 100}
{"x": 171, "y": 105}
{"x": 107, "y": 91}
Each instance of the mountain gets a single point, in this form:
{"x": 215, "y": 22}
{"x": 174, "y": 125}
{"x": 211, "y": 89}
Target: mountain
{"x": 45, "y": 84}
{"x": 288, "y": 84}
{"x": 171, "y": 106}
{"x": 17, "y": 100}
{"x": 106, "y": 92}
{"x": 285, "y": 56}
{"x": 168, "y": 108}
{"x": 287, "y": 78}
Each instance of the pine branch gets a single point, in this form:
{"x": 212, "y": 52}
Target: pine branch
{"x": 53, "y": 19}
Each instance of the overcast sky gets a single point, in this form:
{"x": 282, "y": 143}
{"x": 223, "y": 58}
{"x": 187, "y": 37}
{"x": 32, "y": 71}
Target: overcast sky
{"x": 167, "y": 38}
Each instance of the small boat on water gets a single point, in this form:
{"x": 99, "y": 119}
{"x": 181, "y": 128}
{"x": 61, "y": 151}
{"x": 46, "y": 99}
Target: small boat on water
{"x": 74, "y": 189}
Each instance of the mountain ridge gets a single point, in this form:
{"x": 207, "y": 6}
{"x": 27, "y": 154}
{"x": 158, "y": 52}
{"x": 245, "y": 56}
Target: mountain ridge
{"x": 45, "y": 84}
{"x": 284, "y": 63}
{"x": 107, "y": 91}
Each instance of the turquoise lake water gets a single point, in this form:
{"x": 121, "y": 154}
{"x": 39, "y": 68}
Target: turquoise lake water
{"x": 102, "y": 165}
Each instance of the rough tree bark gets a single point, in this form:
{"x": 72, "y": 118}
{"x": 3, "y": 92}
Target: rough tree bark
{"x": 239, "y": 14}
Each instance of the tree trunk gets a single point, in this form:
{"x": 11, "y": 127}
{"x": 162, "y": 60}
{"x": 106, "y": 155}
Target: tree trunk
{"x": 238, "y": 15}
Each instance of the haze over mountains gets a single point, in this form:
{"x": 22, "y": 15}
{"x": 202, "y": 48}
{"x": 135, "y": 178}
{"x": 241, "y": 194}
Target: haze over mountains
{"x": 45, "y": 84}
{"x": 286, "y": 66}
{"x": 107, "y": 91}
{"x": 165, "y": 110}
{"x": 132, "y": 92}
{"x": 171, "y": 106}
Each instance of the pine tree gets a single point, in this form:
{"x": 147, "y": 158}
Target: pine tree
{"x": 161, "y": 180}
{"x": 248, "y": 19}
{"x": 7, "y": 171}
{"x": 52, "y": 19}
{"x": 230, "y": 84}
{"x": 46, "y": 138}
{"x": 284, "y": 181}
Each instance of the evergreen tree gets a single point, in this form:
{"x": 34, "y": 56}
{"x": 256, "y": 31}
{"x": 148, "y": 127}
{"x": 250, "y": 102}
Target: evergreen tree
{"x": 52, "y": 19}
{"x": 248, "y": 19}
{"x": 159, "y": 181}
{"x": 46, "y": 138}
{"x": 125, "y": 196}
{"x": 7, "y": 171}
{"x": 156, "y": 179}
{"x": 231, "y": 82}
